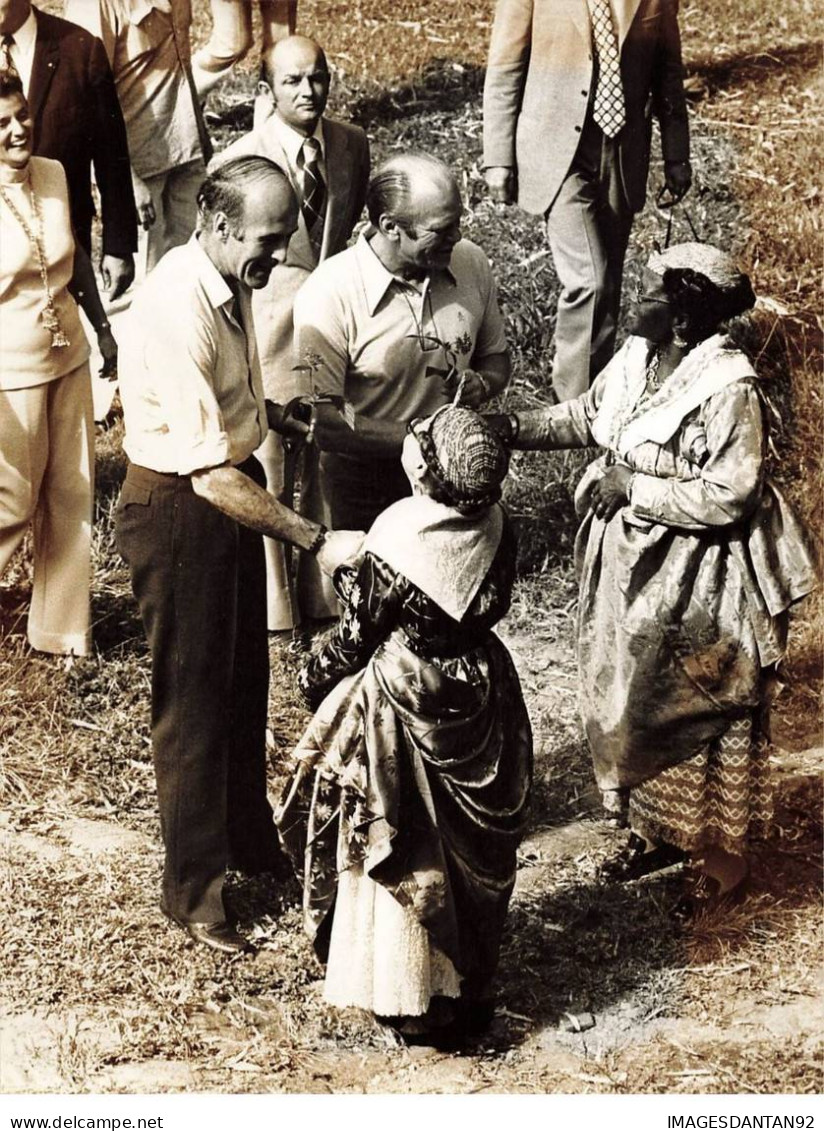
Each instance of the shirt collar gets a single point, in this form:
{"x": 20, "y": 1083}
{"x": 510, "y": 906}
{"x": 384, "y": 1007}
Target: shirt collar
{"x": 25, "y": 36}
{"x": 377, "y": 279}
{"x": 291, "y": 141}
{"x": 218, "y": 291}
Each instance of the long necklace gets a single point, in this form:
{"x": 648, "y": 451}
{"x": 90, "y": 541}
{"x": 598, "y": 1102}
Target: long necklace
{"x": 48, "y": 314}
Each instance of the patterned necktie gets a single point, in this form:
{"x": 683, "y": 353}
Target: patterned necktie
{"x": 312, "y": 188}
{"x": 6, "y": 61}
{"x": 609, "y": 109}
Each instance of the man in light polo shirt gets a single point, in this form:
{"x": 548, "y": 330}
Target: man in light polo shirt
{"x": 398, "y": 325}
{"x": 189, "y": 524}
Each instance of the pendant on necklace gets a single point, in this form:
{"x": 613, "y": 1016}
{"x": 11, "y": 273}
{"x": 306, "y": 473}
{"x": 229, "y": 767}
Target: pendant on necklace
{"x": 52, "y": 324}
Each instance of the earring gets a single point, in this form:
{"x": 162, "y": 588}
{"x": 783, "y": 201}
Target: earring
{"x": 679, "y": 341}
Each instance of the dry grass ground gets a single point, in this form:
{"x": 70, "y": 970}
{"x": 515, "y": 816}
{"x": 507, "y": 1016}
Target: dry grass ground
{"x": 100, "y": 994}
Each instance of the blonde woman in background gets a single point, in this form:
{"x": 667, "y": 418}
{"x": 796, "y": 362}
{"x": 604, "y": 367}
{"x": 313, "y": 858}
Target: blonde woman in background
{"x": 46, "y": 424}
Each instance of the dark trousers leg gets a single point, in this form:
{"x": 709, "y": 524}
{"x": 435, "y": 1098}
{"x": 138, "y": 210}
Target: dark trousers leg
{"x": 185, "y": 560}
{"x": 588, "y": 228}
{"x": 253, "y": 841}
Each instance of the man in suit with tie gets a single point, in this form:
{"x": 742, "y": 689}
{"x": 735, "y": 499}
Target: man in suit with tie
{"x": 77, "y": 121}
{"x": 327, "y": 163}
{"x": 570, "y": 91}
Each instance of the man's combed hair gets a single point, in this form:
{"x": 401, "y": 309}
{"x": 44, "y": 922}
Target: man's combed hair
{"x": 228, "y": 188}
{"x": 10, "y": 84}
{"x": 390, "y": 189}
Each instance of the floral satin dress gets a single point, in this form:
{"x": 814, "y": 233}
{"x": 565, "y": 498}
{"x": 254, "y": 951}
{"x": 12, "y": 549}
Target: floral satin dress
{"x": 410, "y": 793}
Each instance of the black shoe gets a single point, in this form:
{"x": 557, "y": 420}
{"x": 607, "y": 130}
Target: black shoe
{"x": 218, "y": 936}
{"x": 632, "y": 862}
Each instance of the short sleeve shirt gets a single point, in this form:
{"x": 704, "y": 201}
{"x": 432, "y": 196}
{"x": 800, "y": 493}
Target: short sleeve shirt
{"x": 189, "y": 372}
{"x": 147, "y": 44}
{"x": 385, "y": 344}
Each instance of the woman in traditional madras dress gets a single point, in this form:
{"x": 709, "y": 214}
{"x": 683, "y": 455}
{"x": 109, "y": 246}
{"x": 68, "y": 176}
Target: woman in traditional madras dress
{"x": 688, "y": 561}
{"x": 410, "y": 793}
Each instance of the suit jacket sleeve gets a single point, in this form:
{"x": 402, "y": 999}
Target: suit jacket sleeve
{"x": 509, "y": 53}
{"x": 110, "y": 157}
{"x": 362, "y": 180}
{"x": 247, "y": 145}
{"x": 669, "y": 102}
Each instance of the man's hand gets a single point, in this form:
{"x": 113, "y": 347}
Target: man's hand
{"x": 474, "y": 389}
{"x": 143, "y": 201}
{"x": 339, "y": 546}
{"x": 117, "y": 274}
{"x": 500, "y": 181}
{"x": 611, "y": 492}
{"x": 678, "y": 178}
{"x": 292, "y": 421}
{"x": 108, "y": 351}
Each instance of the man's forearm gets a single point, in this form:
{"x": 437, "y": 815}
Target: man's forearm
{"x": 377, "y": 439}
{"x": 496, "y": 370}
{"x": 239, "y": 497}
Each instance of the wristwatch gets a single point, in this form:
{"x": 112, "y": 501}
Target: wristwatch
{"x": 318, "y": 540}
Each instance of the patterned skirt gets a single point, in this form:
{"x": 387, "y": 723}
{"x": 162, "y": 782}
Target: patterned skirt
{"x": 720, "y": 797}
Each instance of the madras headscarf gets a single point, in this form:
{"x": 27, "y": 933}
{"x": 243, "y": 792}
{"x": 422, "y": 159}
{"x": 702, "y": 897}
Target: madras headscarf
{"x": 464, "y": 456}
{"x": 717, "y": 266}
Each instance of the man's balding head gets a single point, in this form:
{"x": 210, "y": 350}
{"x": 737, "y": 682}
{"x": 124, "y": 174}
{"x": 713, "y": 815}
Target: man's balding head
{"x": 408, "y": 184}
{"x": 415, "y": 205}
{"x": 13, "y": 14}
{"x": 295, "y": 76}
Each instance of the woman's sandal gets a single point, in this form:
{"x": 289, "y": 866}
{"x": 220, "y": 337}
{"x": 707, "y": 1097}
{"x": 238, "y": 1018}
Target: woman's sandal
{"x": 703, "y": 896}
{"x": 633, "y": 862}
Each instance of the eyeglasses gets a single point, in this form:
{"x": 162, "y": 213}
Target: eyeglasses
{"x": 419, "y": 233}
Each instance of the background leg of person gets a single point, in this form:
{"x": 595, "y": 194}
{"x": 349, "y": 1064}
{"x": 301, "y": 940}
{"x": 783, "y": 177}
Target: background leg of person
{"x": 229, "y": 42}
{"x": 581, "y": 263}
{"x": 24, "y": 452}
{"x": 180, "y": 203}
{"x": 60, "y": 616}
{"x": 280, "y": 614}
{"x": 151, "y": 241}
{"x": 316, "y": 597}
{"x": 278, "y": 18}
{"x": 615, "y": 222}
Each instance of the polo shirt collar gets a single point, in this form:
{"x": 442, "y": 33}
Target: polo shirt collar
{"x": 218, "y": 291}
{"x": 377, "y": 279}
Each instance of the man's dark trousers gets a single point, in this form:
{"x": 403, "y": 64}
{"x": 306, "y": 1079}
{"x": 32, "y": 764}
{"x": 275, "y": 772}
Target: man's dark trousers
{"x": 200, "y": 581}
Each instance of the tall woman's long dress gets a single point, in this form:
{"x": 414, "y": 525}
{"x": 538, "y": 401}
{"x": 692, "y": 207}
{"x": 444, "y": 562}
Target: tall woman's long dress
{"x": 410, "y": 794}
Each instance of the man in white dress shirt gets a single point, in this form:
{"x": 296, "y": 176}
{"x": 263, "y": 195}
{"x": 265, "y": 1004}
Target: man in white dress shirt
{"x": 292, "y": 95}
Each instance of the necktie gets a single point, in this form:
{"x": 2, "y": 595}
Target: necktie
{"x": 6, "y": 61}
{"x": 609, "y": 109}
{"x": 312, "y": 188}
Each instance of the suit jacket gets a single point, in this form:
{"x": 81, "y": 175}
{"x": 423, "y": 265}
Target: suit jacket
{"x": 77, "y": 121}
{"x": 539, "y": 85}
{"x": 346, "y": 156}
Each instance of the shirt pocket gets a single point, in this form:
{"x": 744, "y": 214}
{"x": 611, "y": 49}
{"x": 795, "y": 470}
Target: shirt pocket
{"x": 134, "y": 494}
